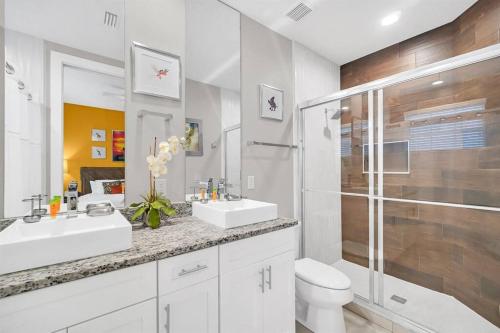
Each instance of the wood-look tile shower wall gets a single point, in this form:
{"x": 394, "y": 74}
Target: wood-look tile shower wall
{"x": 450, "y": 250}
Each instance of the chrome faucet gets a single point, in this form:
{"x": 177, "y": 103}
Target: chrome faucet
{"x": 230, "y": 197}
{"x": 33, "y": 217}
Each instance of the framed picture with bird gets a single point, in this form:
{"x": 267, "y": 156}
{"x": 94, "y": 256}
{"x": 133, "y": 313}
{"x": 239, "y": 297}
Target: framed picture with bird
{"x": 156, "y": 73}
{"x": 271, "y": 102}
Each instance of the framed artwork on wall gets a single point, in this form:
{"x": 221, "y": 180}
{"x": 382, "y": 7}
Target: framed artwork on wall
{"x": 194, "y": 137}
{"x": 98, "y": 152}
{"x": 118, "y": 145}
{"x": 156, "y": 73}
{"x": 271, "y": 102}
{"x": 98, "y": 135}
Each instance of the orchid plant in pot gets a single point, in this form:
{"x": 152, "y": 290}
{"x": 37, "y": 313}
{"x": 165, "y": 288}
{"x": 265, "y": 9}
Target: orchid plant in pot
{"x": 154, "y": 203}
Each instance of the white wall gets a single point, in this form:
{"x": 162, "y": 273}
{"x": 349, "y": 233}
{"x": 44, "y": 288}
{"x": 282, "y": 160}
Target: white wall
{"x": 231, "y": 116}
{"x": 159, "y": 24}
{"x": 316, "y": 76}
{"x": 2, "y": 105}
{"x": 266, "y": 57}
{"x": 23, "y": 122}
{"x": 203, "y": 101}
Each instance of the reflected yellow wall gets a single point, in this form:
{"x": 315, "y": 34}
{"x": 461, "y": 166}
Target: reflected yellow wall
{"x": 79, "y": 120}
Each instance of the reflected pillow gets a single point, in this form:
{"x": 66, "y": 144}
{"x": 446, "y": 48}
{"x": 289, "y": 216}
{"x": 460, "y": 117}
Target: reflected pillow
{"x": 97, "y": 187}
{"x": 114, "y": 187}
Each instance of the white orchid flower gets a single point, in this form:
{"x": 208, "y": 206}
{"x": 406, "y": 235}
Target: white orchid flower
{"x": 164, "y": 147}
{"x": 165, "y": 156}
{"x": 150, "y": 159}
{"x": 174, "y": 144}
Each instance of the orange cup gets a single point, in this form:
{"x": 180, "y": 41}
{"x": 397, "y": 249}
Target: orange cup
{"x": 54, "y": 209}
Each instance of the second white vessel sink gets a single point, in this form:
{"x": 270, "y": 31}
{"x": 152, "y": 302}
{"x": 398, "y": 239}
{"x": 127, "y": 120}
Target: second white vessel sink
{"x": 51, "y": 241}
{"x": 231, "y": 214}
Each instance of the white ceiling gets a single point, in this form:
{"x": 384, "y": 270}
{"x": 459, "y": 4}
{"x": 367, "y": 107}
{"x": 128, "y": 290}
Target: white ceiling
{"x": 213, "y": 43}
{"x": 94, "y": 89}
{"x": 75, "y": 23}
{"x": 345, "y": 30}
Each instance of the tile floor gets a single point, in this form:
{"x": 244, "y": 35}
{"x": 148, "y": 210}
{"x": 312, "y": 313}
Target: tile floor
{"x": 354, "y": 324}
{"x": 434, "y": 310}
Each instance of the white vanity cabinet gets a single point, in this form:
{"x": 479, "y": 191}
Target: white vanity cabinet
{"x": 257, "y": 284}
{"x": 242, "y": 286}
{"x": 189, "y": 293}
{"x": 139, "y": 318}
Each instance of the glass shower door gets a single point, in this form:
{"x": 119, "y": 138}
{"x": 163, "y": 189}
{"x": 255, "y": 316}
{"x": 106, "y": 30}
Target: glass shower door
{"x": 441, "y": 190}
{"x": 336, "y": 189}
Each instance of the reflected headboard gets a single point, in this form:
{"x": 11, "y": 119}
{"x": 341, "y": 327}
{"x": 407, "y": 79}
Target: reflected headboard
{"x": 95, "y": 173}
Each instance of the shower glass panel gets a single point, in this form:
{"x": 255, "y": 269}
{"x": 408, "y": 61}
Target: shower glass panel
{"x": 424, "y": 246}
{"x": 441, "y": 230}
{"x": 335, "y": 200}
{"x": 451, "y": 122}
{"x": 321, "y": 181}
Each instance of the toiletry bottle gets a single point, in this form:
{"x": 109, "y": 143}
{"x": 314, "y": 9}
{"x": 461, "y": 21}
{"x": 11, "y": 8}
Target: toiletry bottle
{"x": 210, "y": 186}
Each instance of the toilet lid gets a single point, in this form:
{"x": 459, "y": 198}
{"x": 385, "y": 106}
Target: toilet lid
{"x": 321, "y": 275}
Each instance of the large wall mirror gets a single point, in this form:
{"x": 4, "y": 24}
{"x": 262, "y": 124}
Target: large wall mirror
{"x": 212, "y": 96}
{"x": 64, "y": 101}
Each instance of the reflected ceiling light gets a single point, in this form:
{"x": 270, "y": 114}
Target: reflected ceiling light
{"x": 391, "y": 18}
{"x": 345, "y": 108}
{"x": 437, "y": 83}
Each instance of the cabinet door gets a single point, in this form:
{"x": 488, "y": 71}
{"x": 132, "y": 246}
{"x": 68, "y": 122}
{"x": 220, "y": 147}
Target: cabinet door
{"x": 279, "y": 298}
{"x": 241, "y": 300}
{"x": 190, "y": 310}
{"x": 139, "y": 318}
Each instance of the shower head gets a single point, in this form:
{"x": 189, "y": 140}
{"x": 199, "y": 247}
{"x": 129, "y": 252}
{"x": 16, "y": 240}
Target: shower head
{"x": 336, "y": 113}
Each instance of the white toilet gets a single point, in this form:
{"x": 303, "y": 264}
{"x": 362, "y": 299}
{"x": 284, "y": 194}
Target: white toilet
{"x": 320, "y": 293}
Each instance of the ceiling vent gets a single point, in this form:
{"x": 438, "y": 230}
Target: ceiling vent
{"x": 110, "y": 19}
{"x": 299, "y": 12}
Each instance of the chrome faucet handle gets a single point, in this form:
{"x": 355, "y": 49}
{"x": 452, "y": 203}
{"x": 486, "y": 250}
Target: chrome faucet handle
{"x": 39, "y": 210}
{"x": 32, "y": 217}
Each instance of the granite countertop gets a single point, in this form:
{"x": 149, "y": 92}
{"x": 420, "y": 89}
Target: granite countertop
{"x": 177, "y": 236}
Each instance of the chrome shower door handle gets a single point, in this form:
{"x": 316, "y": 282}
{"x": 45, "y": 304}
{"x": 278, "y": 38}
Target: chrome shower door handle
{"x": 269, "y": 277}
{"x": 262, "y": 279}
{"x": 167, "y": 320}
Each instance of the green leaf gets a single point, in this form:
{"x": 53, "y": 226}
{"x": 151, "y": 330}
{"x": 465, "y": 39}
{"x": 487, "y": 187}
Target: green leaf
{"x": 138, "y": 213}
{"x": 135, "y": 206}
{"x": 156, "y": 205}
{"x": 168, "y": 211}
{"x": 154, "y": 218}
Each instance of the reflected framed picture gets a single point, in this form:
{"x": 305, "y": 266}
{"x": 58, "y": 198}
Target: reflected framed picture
{"x": 271, "y": 102}
{"x": 98, "y": 152}
{"x": 156, "y": 73}
{"x": 118, "y": 145}
{"x": 194, "y": 137}
{"x": 98, "y": 135}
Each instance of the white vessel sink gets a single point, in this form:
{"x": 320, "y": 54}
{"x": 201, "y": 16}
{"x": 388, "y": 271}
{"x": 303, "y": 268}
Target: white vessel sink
{"x": 51, "y": 241}
{"x": 231, "y": 214}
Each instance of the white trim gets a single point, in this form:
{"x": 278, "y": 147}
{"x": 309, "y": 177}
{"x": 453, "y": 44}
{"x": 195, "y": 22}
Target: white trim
{"x": 470, "y": 58}
{"x": 371, "y": 204}
{"x": 380, "y": 193}
{"x": 56, "y": 135}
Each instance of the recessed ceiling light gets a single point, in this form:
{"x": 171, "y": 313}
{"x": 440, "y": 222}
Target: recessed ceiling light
{"x": 391, "y": 18}
{"x": 437, "y": 83}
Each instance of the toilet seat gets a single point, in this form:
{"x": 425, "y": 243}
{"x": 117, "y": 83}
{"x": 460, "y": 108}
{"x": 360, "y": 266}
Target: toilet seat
{"x": 321, "y": 275}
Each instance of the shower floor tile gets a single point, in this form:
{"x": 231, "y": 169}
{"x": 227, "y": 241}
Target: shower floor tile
{"x": 437, "y": 311}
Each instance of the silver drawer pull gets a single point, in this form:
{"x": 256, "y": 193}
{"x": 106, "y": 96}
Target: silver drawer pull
{"x": 192, "y": 270}
{"x": 262, "y": 285}
{"x": 167, "y": 320}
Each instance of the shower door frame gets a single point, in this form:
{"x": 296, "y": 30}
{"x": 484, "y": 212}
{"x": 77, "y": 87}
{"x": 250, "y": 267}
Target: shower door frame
{"x": 371, "y": 88}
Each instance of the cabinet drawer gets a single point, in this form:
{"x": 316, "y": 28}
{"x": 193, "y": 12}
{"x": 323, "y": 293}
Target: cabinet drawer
{"x": 53, "y": 308}
{"x": 235, "y": 255}
{"x": 181, "y": 271}
{"x": 139, "y": 318}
